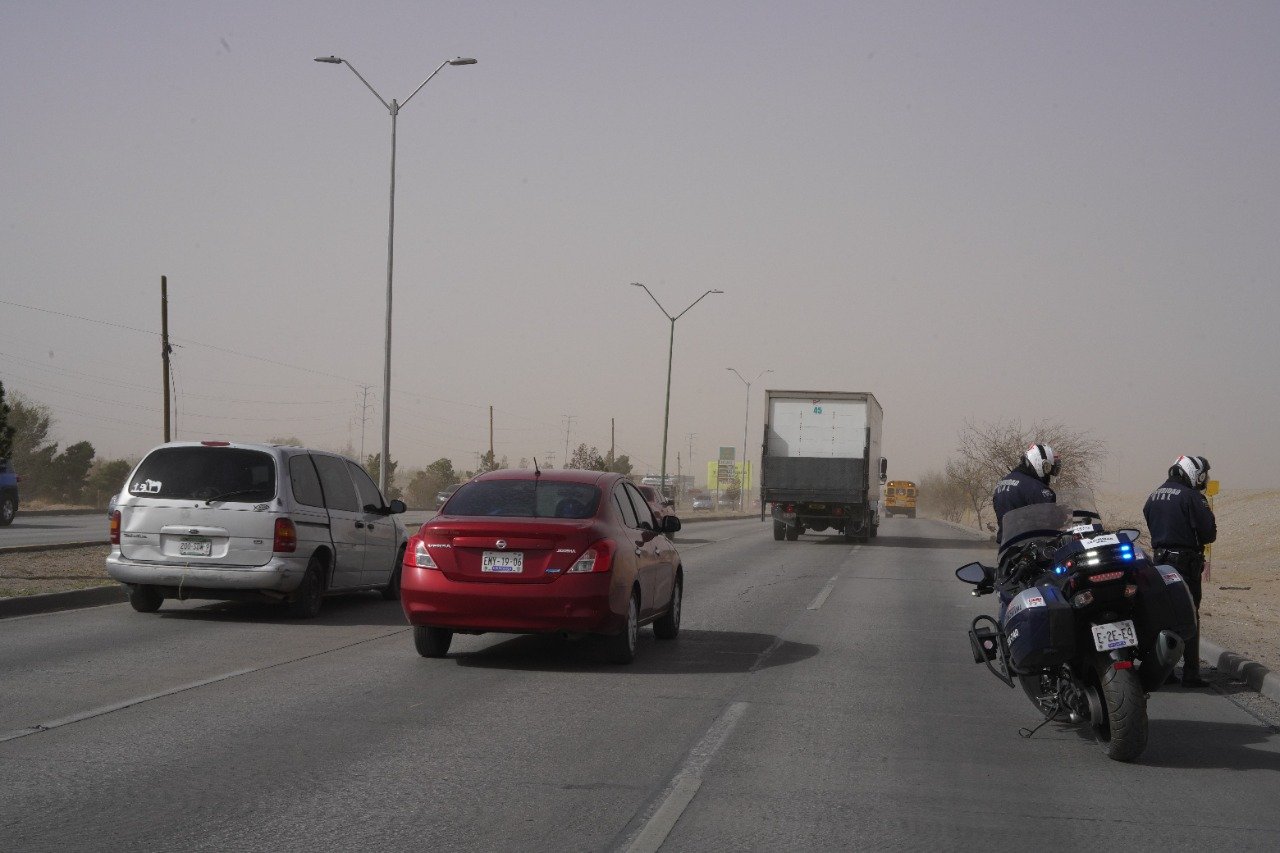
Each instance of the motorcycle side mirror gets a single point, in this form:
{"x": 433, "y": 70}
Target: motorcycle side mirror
{"x": 975, "y": 573}
{"x": 1129, "y": 533}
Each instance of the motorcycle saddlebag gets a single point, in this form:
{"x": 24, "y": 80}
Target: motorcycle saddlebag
{"x": 1040, "y": 628}
{"x": 1163, "y": 603}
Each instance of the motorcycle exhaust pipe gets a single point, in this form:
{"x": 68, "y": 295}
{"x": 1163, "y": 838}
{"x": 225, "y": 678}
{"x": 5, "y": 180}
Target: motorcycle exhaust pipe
{"x": 1161, "y": 660}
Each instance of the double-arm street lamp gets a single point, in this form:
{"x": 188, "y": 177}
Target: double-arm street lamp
{"x": 384, "y": 465}
{"x": 671, "y": 347}
{"x": 742, "y": 487}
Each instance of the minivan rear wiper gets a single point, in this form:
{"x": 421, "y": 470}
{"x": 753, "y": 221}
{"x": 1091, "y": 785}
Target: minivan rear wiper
{"x": 226, "y": 495}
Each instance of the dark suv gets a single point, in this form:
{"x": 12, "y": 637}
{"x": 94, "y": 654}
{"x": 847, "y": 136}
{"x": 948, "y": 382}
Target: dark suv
{"x": 8, "y": 493}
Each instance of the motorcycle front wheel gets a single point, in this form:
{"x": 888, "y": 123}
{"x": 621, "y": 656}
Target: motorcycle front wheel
{"x": 1118, "y": 713}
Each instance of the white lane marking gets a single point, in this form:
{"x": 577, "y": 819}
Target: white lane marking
{"x": 822, "y": 596}
{"x": 182, "y": 688}
{"x": 685, "y": 784}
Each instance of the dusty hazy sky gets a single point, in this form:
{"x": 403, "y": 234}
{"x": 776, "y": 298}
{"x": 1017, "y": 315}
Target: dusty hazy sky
{"x": 1062, "y": 211}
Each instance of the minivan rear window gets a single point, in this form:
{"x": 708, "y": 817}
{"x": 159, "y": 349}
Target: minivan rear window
{"x": 206, "y": 474}
{"x": 525, "y": 499}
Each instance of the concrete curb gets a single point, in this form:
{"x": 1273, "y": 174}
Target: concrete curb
{"x": 26, "y": 605}
{"x": 1256, "y": 676}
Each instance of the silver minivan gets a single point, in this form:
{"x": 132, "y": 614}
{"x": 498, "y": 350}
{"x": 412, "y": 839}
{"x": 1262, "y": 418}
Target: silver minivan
{"x": 229, "y": 520}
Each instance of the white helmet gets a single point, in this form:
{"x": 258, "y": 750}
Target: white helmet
{"x": 1192, "y": 470}
{"x": 1042, "y": 461}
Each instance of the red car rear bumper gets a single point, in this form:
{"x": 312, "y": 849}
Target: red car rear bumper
{"x": 573, "y": 603}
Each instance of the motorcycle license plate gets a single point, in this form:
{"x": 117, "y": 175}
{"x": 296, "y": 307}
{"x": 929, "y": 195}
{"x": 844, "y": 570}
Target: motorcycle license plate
{"x": 1115, "y": 635}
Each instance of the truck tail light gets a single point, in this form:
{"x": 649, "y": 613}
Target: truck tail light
{"x": 286, "y": 538}
{"x": 115, "y": 527}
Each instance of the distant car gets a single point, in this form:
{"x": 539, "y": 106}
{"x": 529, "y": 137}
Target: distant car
{"x": 703, "y": 502}
{"x": 660, "y": 504}
{"x": 223, "y": 520}
{"x": 556, "y": 552}
{"x": 8, "y": 493}
{"x": 446, "y": 493}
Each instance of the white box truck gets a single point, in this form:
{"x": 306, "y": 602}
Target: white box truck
{"x": 822, "y": 466}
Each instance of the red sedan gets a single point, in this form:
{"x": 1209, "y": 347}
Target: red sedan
{"x": 529, "y": 552}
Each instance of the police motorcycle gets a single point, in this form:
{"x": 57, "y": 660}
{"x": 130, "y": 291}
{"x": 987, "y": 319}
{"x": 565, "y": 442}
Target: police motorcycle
{"x": 1092, "y": 626}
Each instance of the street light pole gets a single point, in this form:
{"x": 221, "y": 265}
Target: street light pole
{"x": 384, "y": 464}
{"x": 671, "y": 348}
{"x": 742, "y": 487}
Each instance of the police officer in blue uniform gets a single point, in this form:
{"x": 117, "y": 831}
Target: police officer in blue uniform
{"x": 1026, "y": 484}
{"x": 1181, "y": 524}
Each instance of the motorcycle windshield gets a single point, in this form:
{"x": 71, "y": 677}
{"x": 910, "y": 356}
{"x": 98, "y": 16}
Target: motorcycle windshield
{"x": 1074, "y": 507}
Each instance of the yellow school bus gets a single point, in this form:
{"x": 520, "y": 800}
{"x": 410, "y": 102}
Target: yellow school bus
{"x": 900, "y": 498}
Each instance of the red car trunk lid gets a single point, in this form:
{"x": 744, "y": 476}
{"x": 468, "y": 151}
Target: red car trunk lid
{"x": 510, "y": 551}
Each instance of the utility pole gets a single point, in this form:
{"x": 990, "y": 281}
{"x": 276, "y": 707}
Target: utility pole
{"x": 364, "y": 416}
{"x": 678, "y": 494}
{"x": 612, "y": 439}
{"x": 491, "y": 456}
{"x": 568, "y": 425}
{"x": 165, "y": 349}
{"x": 691, "y": 436}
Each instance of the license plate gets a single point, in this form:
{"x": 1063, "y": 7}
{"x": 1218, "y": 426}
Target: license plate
{"x": 502, "y": 562}
{"x": 195, "y": 546}
{"x": 1115, "y": 635}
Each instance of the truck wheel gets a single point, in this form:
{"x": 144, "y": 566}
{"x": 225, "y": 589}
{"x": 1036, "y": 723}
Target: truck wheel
{"x": 849, "y": 534}
{"x": 779, "y": 531}
{"x": 793, "y": 532}
{"x": 8, "y": 509}
{"x": 911, "y": 513}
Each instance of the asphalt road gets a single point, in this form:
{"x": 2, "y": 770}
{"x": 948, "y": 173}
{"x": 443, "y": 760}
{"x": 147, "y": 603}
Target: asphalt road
{"x": 28, "y": 529}
{"x": 821, "y": 696}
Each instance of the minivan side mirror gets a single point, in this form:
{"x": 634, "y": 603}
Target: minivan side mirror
{"x": 396, "y": 507}
{"x": 670, "y": 524}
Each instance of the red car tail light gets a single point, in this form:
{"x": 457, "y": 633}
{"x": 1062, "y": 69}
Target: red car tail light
{"x": 115, "y": 527}
{"x": 421, "y": 556}
{"x": 596, "y": 559}
{"x": 286, "y": 541}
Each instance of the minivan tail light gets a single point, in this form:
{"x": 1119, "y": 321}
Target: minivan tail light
{"x": 595, "y": 560}
{"x": 115, "y": 527}
{"x": 286, "y": 540}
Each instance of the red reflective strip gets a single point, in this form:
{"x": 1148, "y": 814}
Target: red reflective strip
{"x": 1123, "y": 664}
{"x": 1106, "y": 576}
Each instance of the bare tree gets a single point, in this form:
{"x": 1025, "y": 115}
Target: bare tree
{"x": 987, "y": 452}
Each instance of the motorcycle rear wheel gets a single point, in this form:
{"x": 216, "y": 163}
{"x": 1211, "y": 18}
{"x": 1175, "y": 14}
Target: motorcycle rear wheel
{"x": 1122, "y": 729}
